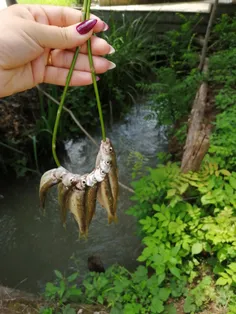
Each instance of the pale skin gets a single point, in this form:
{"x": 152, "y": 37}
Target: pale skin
{"x": 28, "y": 33}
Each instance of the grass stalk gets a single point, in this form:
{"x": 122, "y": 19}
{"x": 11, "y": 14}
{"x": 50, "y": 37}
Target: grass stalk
{"x": 87, "y": 16}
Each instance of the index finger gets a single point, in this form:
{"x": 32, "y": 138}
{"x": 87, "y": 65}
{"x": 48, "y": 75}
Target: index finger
{"x": 62, "y": 16}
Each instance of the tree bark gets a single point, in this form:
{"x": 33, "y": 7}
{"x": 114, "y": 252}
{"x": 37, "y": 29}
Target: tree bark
{"x": 197, "y": 142}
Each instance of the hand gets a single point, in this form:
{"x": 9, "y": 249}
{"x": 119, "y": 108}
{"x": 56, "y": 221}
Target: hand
{"x": 37, "y": 44}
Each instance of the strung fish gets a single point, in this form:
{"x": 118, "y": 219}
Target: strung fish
{"x": 105, "y": 198}
{"x": 77, "y": 207}
{"x": 99, "y": 174}
{"x": 105, "y": 151}
{"x": 113, "y": 180}
{"x": 49, "y": 179}
{"x": 64, "y": 189}
{"x": 91, "y": 179}
{"x": 90, "y": 201}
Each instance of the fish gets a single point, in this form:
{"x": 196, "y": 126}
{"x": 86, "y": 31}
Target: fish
{"x": 108, "y": 189}
{"x": 105, "y": 151}
{"x": 76, "y": 203}
{"x": 90, "y": 201}
{"x": 49, "y": 179}
{"x": 105, "y": 198}
{"x": 63, "y": 195}
{"x": 113, "y": 180}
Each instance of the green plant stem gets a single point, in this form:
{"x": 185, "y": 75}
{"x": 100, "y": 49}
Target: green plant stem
{"x": 86, "y": 15}
{"x": 94, "y": 77}
{"x": 63, "y": 97}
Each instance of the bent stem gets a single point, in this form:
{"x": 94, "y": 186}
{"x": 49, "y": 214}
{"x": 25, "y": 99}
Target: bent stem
{"x": 59, "y": 111}
{"x": 87, "y": 16}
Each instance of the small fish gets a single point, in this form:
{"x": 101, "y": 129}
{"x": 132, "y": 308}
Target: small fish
{"x": 77, "y": 207}
{"x": 63, "y": 196}
{"x": 49, "y": 179}
{"x": 105, "y": 151}
{"x": 99, "y": 174}
{"x": 105, "y": 198}
{"x": 90, "y": 201}
{"x": 70, "y": 179}
{"x": 91, "y": 180}
{"x": 113, "y": 180}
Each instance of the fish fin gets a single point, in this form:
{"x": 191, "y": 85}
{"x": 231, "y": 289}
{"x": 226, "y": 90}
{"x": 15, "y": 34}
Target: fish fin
{"x": 112, "y": 218}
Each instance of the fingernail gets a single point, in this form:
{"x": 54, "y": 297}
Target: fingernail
{"x": 111, "y": 51}
{"x": 106, "y": 27}
{"x": 111, "y": 65}
{"x": 86, "y": 26}
{"x": 97, "y": 78}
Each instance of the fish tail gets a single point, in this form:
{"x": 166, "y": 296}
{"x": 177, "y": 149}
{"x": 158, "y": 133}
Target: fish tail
{"x": 112, "y": 218}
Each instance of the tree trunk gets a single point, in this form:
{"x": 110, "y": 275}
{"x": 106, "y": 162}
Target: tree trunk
{"x": 197, "y": 142}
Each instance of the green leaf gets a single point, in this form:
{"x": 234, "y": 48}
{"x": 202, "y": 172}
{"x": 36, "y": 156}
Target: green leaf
{"x": 175, "y": 271}
{"x": 100, "y": 299}
{"x": 72, "y": 277}
{"x": 58, "y": 274}
{"x": 189, "y": 306}
{"x": 197, "y": 248}
{"x": 222, "y": 281}
{"x": 171, "y": 193}
{"x": 156, "y": 305}
{"x": 164, "y": 293}
{"x": 170, "y": 309}
{"x": 232, "y": 182}
{"x": 225, "y": 172}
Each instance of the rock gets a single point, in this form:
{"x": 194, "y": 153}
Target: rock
{"x": 95, "y": 264}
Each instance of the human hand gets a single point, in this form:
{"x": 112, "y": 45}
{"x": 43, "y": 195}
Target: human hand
{"x": 38, "y": 43}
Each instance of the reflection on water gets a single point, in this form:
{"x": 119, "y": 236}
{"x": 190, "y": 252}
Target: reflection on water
{"x": 32, "y": 246}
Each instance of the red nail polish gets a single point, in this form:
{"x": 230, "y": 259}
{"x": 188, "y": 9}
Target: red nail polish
{"x": 86, "y": 26}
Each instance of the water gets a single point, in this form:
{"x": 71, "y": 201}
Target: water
{"x": 32, "y": 246}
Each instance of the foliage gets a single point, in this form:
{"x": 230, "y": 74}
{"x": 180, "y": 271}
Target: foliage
{"x": 223, "y": 139}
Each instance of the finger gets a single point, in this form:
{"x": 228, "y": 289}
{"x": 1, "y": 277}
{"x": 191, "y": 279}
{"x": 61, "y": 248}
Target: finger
{"x": 62, "y": 16}
{"x": 57, "y": 76}
{"x": 100, "y": 47}
{"x": 63, "y": 59}
{"x": 48, "y": 36}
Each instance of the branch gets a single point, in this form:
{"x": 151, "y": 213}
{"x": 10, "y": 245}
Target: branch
{"x": 208, "y": 31}
{"x": 70, "y": 113}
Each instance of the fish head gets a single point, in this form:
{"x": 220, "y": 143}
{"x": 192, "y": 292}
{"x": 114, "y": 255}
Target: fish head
{"x": 69, "y": 179}
{"x": 81, "y": 183}
{"x": 99, "y": 174}
{"x": 60, "y": 173}
{"x": 106, "y": 149}
{"x": 91, "y": 179}
{"x": 105, "y": 165}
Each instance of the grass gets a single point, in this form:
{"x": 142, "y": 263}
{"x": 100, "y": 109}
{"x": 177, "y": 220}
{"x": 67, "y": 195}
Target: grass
{"x": 54, "y": 2}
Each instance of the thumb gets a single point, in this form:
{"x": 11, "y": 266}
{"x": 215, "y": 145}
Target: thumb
{"x": 49, "y": 36}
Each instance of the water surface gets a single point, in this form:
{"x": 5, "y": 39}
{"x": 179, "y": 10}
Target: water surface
{"x": 32, "y": 246}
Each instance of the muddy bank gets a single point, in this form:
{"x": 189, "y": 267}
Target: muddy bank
{"x": 14, "y": 301}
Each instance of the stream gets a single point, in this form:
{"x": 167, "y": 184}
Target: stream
{"x": 33, "y": 246}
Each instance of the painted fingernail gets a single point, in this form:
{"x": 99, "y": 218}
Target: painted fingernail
{"x": 111, "y": 51}
{"x": 97, "y": 78}
{"x": 86, "y": 26}
{"x": 106, "y": 27}
{"x": 111, "y": 65}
